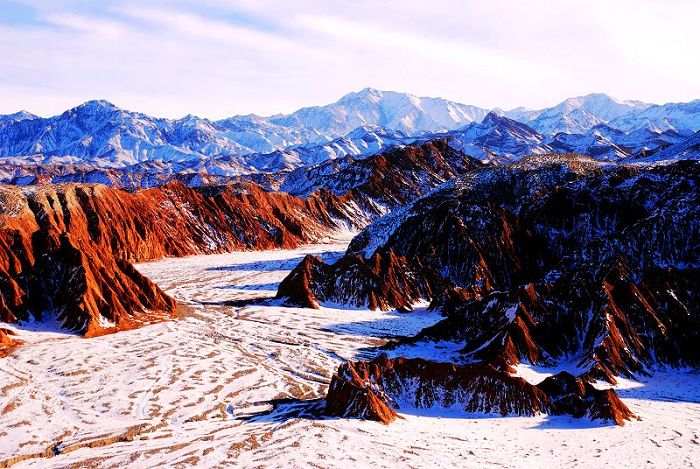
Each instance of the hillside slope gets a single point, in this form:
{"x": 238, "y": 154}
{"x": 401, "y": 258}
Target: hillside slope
{"x": 554, "y": 259}
{"x": 66, "y": 250}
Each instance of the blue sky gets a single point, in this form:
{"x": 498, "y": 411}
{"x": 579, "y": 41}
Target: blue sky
{"x": 220, "y": 58}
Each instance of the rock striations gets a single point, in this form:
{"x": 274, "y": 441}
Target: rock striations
{"x": 66, "y": 250}
{"x": 373, "y": 389}
{"x": 7, "y": 342}
{"x": 554, "y": 258}
{"x": 557, "y": 257}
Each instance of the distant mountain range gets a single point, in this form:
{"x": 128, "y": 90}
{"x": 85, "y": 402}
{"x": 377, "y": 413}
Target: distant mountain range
{"x": 101, "y": 135}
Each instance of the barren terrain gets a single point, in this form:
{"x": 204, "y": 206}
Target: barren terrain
{"x": 237, "y": 381}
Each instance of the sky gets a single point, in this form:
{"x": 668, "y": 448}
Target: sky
{"x": 221, "y": 58}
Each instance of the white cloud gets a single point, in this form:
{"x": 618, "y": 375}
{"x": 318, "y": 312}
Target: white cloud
{"x": 402, "y": 43}
{"x": 93, "y": 26}
{"x": 191, "y": 26}
{"x": 218, "y": 58}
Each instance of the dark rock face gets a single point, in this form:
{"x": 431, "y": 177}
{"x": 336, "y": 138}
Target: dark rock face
{"x": 375, "y": 389}
{"x": 577, "y": 397}
{"x": 557, "y": 210}
{"x": 381, "y": 282}
{"x": 476, "y": 257}
{"x": 551, "y": 258}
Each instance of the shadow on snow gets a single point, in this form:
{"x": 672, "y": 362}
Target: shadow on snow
{"x": 284, "y": 410}
{"x": 273, "y": 265}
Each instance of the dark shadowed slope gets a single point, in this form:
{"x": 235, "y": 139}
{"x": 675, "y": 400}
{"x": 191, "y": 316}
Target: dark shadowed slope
{"x": 557, "y": 257}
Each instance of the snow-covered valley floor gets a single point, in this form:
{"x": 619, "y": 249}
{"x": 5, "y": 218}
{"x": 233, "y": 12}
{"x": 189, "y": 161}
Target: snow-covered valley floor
{"x": 238, "y": 383}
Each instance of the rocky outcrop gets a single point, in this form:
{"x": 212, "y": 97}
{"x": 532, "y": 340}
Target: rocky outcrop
{"x": 392, "y": 178}
{"x": 381, "y": 282}
{"x": 66, "y": 251}
{"x": 354, "y": 392}
{"x": 7, "y": 342}
{"x": 556, "y": 256}
{"x": 376, "y": 389}
{"x": 577, "y": 397}
{"x": 475, "y": 245}
{"x": 474, "y": 256}
{"x": 615, "y": 323}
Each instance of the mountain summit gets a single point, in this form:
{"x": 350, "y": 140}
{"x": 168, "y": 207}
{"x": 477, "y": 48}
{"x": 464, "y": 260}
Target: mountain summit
{"x": 580, "y": 114}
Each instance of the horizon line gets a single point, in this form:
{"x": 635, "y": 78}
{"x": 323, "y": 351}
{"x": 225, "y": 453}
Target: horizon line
{"x": 367, "y": 88}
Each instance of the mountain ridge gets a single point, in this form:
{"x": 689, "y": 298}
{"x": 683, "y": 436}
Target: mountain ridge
{"x": 99, "y": 134}
{"x": 553, "y": 260}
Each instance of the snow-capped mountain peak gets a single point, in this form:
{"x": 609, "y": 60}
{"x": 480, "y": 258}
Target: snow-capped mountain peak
{"x": 17, "y": 116}
{"x": 681, "y": 117}
{"x": 580, "y": 114}
{"x": 368, "y": 94}
{"x": 389, "y": 109}
{"x": 601, "y": 105}
{"x": 98, "y": 132}
{"x": 94, "y": 106}
{"x": 494, "y": 118}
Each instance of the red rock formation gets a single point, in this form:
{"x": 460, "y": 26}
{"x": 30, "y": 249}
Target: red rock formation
{"x": 296, "y": 289}
{"x": 354, "y": 393}
{"x": 381, "y": 282}
{"x": 7, "y": 342}
{"x": 606, "y": 405}
{"x": 375, "y": 389}
{"x": 65, "y": 251}
{"x": 372, "y": 389}
{"x": 577, "y": 397}
{"x": 556, "y": 256}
